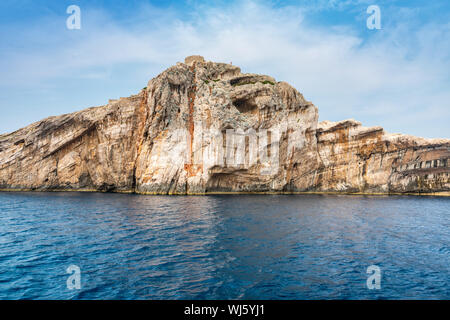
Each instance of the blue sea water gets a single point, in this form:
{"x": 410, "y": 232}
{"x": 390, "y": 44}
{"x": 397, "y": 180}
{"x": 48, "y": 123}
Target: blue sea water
{"x": 223, "y": 247}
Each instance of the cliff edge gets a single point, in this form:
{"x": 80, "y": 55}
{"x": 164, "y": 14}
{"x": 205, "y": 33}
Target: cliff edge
{"x": 206, "y": 127}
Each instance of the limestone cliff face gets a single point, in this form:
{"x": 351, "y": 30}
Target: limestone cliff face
{"x": 204, "y": 127}
{"x": 359, "y": 159}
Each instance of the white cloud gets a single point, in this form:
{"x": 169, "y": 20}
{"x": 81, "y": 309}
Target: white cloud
{"x": 395, "y": 78}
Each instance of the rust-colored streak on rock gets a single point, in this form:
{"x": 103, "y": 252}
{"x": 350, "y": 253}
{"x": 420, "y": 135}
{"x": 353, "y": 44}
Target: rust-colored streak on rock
{"x": 190, "y": 167}
{"x": 142, "y": 119}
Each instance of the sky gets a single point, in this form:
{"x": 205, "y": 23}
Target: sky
{"x": 397, "y": 77}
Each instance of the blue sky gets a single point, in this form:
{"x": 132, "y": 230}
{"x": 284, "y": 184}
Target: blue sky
{"x": 397, "y": 77}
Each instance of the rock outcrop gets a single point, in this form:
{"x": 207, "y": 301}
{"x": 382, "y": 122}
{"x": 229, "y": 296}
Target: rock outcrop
{"x": 205, "y": 127}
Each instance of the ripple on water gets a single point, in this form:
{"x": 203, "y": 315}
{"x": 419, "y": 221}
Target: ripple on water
{"x": 223, "y": 247}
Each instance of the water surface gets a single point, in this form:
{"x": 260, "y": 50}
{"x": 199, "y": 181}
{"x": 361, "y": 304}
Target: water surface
{"x": 223, "y": 247}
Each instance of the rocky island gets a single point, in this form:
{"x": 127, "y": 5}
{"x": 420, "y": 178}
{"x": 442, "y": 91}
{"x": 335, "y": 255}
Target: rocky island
{"x": 204, "y": 127}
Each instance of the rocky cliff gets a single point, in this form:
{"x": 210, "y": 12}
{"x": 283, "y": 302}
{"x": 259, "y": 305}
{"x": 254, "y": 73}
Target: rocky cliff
{"x": 205, "y": 127}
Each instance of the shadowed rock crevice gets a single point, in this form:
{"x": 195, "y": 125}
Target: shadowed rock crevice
{"x": 246, "y": 106}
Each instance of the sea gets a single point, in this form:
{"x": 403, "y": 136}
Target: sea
{"x": 125, "y": 246}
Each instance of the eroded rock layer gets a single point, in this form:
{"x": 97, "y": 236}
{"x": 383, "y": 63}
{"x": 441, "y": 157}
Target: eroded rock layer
{"x": 205, "y": 127}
